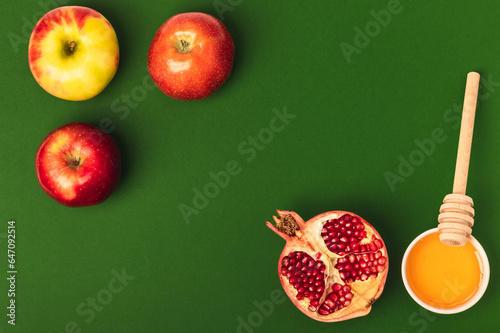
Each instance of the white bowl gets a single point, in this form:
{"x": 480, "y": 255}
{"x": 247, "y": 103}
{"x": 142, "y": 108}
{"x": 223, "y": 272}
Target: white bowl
{"x": 484, "y": 266}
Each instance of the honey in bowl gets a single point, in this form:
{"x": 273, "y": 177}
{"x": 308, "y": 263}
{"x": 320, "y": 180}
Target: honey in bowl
{"x": 442, "y": 278}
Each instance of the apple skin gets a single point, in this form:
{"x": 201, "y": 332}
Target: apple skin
{"x": 78, "y": 165}
{"x": 73, "y": 71}
{"x": 191, "y": 56}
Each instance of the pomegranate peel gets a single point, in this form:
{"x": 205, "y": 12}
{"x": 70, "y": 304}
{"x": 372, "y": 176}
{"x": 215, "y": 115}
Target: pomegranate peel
{"x": 333, "y": 267}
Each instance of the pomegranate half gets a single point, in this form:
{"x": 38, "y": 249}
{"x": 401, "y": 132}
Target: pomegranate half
{"x": 334, "y": 266}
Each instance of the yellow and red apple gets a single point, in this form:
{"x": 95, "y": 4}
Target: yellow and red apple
{"x": 191, "y": 56}
{"x": 78, "y": 165}
{"x": 73, "y": 52}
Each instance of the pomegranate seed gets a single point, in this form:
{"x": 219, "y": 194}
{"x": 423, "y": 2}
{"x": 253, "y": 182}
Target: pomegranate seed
{"x": 361, "y": 266}
{"x": 339, "y": 298}
{"x": 306, "y": 276}
{"x": 329, "y": 303}
{"x": 324, "y": 312}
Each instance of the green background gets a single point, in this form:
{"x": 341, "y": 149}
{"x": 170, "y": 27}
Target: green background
{"x": 354, "y": 122}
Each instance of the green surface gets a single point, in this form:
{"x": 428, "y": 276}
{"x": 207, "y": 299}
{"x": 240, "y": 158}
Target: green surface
{"x": 353, "y": 121}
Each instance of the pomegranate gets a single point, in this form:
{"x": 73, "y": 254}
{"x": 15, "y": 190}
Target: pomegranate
{"x": 333, "y": 267}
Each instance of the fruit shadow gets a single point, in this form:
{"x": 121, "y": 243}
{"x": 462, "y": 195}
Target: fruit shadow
{"x": 377, "y": 213}
{"x": 125, "y": 156}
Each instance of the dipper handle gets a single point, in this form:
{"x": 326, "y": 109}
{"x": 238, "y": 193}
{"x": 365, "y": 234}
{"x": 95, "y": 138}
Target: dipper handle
{"x": 456, "y": 213}
{"x": 466, "y": 130}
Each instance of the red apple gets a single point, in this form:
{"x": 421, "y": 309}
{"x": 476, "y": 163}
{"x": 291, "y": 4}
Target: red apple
{"x": 191, "y": 56}
{"x": 78, "y": 165}
{"x": 73, "y": 52}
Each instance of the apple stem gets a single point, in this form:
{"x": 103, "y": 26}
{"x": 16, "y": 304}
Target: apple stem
{"x": 184, "y": 46}
{"x": 76, "y": 162}
{"x": 71, "y": 47}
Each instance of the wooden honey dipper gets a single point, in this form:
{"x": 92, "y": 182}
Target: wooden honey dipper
{"x": 456, "y": 216}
